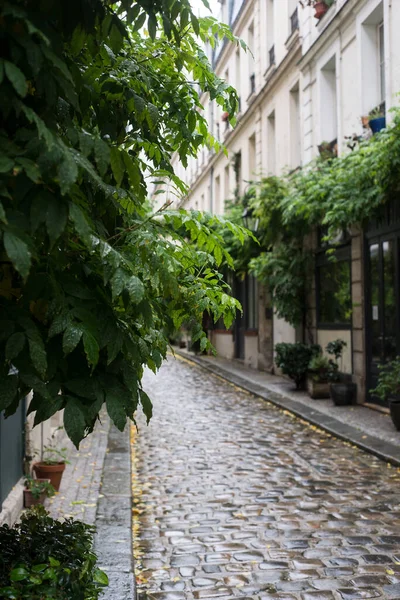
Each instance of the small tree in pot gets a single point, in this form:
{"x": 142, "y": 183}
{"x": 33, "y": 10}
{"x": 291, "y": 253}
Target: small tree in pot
{"x": 342, "y": 389}
{"x": 388, "y": 388}
{"x": 294, "y": 360}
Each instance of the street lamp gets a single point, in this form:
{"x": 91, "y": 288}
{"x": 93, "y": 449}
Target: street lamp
{"x": 250, "y": 221}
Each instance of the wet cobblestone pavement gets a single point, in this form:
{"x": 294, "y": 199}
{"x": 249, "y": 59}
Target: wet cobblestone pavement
{"x": 234, "y": 498}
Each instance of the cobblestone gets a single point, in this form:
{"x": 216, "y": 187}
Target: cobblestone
{"x": 238, "y": 499}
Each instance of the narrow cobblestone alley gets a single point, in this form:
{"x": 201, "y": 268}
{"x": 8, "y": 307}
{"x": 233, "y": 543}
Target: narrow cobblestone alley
{"x": 234, "y": 498}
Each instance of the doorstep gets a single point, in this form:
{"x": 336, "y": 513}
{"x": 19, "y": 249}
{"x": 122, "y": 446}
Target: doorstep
{"x": 364, "y": 427}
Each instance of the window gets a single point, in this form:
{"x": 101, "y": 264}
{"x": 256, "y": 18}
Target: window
{"x": 293, "y": 16}
{"x": 295, "y": 144}
{"x": 372, "y": 46}
{"x": 328, "y": 101}
{"x": 237, "y": 74}
{"x": 237, "y": 165}
{"x": 333, "y": 278}
{"x": 270, "y": 29}
{"x": 381, "y": 46}
{"x": 251, "y": 308}
{"x": 217, "y": 207}
{"x": 252, "y": 77}
{"x": 227, "y": 187}
{"x": 271, "y": 143}
{"x": 252, "y": 156}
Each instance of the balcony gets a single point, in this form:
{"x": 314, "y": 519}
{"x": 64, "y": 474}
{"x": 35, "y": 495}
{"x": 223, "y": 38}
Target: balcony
{"x": 271, "y": 53}
{"x": 294, "y": 21}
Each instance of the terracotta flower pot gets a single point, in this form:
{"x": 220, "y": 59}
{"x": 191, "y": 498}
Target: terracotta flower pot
{"x": 52, "y": 472}
{"x": 320, "y": 8}
{"x": 30, "y": 500}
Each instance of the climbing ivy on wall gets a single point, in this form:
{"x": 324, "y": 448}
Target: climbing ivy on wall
{"x": 334, "y": 194}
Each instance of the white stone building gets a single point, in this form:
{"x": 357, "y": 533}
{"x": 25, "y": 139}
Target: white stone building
{"x": 306, "y": 81}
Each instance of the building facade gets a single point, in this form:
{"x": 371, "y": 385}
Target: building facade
{"x": 305, "y": 83}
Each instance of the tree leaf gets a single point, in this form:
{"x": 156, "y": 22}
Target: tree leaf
{"x": 74, "y": 421}
{"x": 37, "y": 351}
{"x": 71, "y": 337}
{"x": 91, "y": 348}
{"x": 78, "y": 39}
{"x": 135, "y": 289}
{"x": 18, "y": 252}
{"x": 16, "y": 77}
{"x": 102, "y": 155}
{"x": 147, "y": 405}
{"x": 100, "y": 577}
{"x": 67, "y": 171}
{"x": 6, "y": 164}
{"x": 56, "y": 219}
{"x": 115, "y": 408}
{"x": 152, "y": 25}
{"x": 15, "y": 345}
{"x": 117, "y": 165}
{"x": 8, "y": 390}
{"x": 118, "y": 282}
{"x": 81, "y": 225}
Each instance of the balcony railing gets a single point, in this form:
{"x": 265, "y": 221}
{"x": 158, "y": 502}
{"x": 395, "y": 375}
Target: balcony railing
{"x": 294, "y": 21}
{"x": 252, "y": 83}
{"x": 271, "y": 53}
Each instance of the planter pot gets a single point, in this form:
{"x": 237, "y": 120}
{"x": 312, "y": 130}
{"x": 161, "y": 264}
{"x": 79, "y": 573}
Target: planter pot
{"x": 320, "y": 8}
{"x": 317, "y": 389}
{"x": 52, "y": 472}
{"x": 182, "y": 344}
{"x": 377, "y": 124}
{"x": 343, "y": 394}
{"x": 29, "y": 500}
{"x": 395, "y": 413}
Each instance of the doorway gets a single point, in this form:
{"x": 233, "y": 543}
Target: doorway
{"x": 383, "y": 304}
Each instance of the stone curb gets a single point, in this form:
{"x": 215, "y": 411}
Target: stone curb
{"x": 384, "y": 450}
{"x": 113, "y": 541}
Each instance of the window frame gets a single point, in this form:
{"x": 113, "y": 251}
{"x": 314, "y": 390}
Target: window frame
{"x": 342, "y": 254}
{"x": 381, "y": 60}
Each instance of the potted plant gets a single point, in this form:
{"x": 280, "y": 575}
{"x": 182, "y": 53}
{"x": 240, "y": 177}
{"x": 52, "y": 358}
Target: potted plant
{"x": 52, "y": 465}
{"x": 294, "y": 360}
{"x": 36, "y": 491}
{"x": 328, "y": 150}
{"x": 377, "y": 120}
{"x": 320, "y": 6}
{"x": 318, "y": 375}
{"x": 342, "y": 389}
{"x": 388, "y": 388}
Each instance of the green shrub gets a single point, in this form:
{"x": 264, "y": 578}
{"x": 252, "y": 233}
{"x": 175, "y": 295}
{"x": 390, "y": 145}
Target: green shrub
{"x": 388, "y": 380}
{"x": 42, "y": 559}
{"x": 294, "y": 360}
{"x": 320, "y": 367}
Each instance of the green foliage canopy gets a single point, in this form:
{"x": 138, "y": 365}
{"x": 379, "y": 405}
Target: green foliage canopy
{"x": 95, "y": 99}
